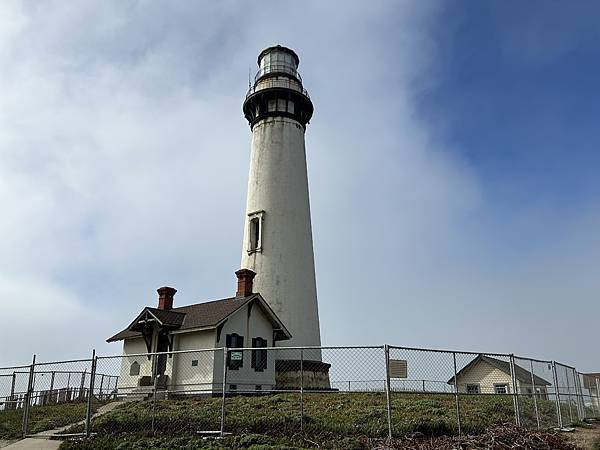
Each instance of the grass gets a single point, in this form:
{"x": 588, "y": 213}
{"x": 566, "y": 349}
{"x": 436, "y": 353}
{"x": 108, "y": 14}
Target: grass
{"x": 41, "y": 418}
{"x": 274, "y": 421}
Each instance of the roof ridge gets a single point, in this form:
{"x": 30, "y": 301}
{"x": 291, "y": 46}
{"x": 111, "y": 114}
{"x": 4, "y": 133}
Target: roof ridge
{"x": 214, "y": 301}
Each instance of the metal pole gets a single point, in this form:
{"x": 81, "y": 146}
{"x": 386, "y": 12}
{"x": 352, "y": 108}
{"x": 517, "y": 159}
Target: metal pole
{"x": 386, "y": 350}
{"x": 598, "y": 395}
{"x": 101, "y": 385}
{"x": 537, "y": 412}
{"x": 88, "y": 414}
{"x": 52, "y": 387}
{"x": 569, "y": 398}
{"x": 579, "y": 391}
{"x": 12, "y": 386}
{"x": 82, "y": 383}
{"x": 154, "y": 402}
{"x": 225, "y": 353}
{"x": 515, "y": 394}
{"x": 557, "y": 395}
{"x": 302, "y": 390}
{"x": 28, "y": 397}
{"x": 456, "y": 394}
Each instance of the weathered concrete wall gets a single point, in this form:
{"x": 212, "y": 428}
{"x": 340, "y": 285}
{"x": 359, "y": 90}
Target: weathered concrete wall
{"x": 278, "y": 185}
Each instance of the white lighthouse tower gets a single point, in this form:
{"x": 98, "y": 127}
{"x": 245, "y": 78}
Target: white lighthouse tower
{"x": 278, "y": 242}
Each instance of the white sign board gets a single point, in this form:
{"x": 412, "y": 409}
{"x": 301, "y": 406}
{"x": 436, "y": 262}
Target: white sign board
{"x": 398, "y": 368}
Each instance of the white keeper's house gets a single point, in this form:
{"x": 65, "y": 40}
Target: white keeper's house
{"x": 244, "y": 320}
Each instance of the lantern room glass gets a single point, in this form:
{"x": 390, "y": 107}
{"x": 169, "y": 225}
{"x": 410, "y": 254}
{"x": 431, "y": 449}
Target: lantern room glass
{"x": 278, "y": 61}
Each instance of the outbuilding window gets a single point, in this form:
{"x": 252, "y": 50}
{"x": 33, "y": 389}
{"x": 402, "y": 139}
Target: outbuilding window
{"x": 501, "y": 388}
{"x": 134, "y": 369}
{"x": 473, "y": 389}
{"x": 235, "y": 358}
{"x": 259, "y": 357}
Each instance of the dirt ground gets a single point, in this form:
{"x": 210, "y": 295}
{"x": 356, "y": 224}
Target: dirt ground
{"x": 586, "y": 437}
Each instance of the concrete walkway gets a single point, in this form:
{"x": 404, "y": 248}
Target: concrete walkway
{"x": 45, "y": 441}
{"x": 34, "y": 444}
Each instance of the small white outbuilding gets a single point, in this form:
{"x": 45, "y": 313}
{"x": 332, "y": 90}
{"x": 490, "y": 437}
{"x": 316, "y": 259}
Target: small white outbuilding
{"x": 245, "y": 320}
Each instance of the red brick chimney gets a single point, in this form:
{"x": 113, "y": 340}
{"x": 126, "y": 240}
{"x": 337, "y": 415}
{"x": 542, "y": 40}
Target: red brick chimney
{"x": 165, "y": 297}
{"x": 244, "y": 282}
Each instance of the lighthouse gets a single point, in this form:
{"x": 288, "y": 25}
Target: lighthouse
{"x": 278, "y": 243}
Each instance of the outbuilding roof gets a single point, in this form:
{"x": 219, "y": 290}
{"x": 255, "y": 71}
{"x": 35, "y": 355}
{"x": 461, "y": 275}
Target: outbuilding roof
{"x": 522, "y": 375}
{"x": 200, "y": 315}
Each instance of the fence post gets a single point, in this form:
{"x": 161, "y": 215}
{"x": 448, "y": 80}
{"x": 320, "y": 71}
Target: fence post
{"x": 52, "y": 384}
{"x": 569, "y": 398}
{"x": 302, "y": 391}
{"x": 28, "y": 397}
{"x": 579, "y": 391}
{"x": 81, "y": 391}
{"x": 557, "y": 395}
{"x": 101, "y": 385}
{"x": 598, "y": 395}
{"x": 224, "y": 387}
{"x": 537, "y": 412}
{"x": 514, "y": 389}
{"x": 88, "y": 413}
{"x": 154, "y": 401}
{"x": 456, "y": 399}
{"x": 386, "y": 350}
{"x": 12, "y": 386}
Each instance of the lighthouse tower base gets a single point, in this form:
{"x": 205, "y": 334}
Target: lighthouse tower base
{"x": 295, "y": 373}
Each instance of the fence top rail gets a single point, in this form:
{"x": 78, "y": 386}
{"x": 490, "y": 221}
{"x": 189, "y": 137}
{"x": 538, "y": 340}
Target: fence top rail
{"x": 220, "y": 349}
{"x": 544, "y": 361}
{"x": 27, "y": 366}
{"x": 174, "y": 352}
{"x": 565, "y": 365}
{"x": 67, "y": 361}
{"x": 73, "y": 372}
{"x": 458, "y": 352}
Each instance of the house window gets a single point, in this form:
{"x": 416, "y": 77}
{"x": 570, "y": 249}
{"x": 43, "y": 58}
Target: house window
{"x": 258, "y": 387}
{"x": 473, "y": 389}
{"x": 233, "y": 387}
{"x": 291, "y": 106}
{"x": 272, "y": 105}
{"x": 255, "y": 231}
{"x": 501, "y": 388}
{"x": 235, "y": 359}
{"x": 134, "y": 369}
{"x": 194, "y": 363}
{"x": 259, "y": 357}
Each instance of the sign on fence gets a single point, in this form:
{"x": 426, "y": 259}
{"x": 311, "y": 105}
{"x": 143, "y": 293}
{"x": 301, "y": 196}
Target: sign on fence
{"x": 398, "y": 368}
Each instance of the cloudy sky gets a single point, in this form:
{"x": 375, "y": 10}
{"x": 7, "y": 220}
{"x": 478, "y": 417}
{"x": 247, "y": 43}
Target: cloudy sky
{"x": 453, "y": 164}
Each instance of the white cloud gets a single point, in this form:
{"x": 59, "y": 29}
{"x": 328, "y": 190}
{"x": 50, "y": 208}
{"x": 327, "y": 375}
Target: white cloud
{"x": 123, "y": 165}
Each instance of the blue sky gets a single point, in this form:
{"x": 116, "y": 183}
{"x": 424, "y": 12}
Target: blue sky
{"x": 452, "y": 165}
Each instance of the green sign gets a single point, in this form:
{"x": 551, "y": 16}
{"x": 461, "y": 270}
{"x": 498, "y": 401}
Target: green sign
{"x": 236, "y": 356}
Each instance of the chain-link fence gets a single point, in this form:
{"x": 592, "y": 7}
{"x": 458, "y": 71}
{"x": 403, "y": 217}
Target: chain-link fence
{"x": 377, "y": 391}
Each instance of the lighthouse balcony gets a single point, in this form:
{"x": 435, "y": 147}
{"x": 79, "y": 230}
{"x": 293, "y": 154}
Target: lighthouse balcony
{"x": 278, "y": 82}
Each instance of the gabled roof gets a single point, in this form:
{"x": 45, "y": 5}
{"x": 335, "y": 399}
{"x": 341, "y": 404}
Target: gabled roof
{"x": 200, "y": 315}
{"x": 522, "y": 375}
{"x": 589, "y": 380}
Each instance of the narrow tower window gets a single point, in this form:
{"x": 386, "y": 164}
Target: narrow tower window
{"x": 255, "y": 232}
